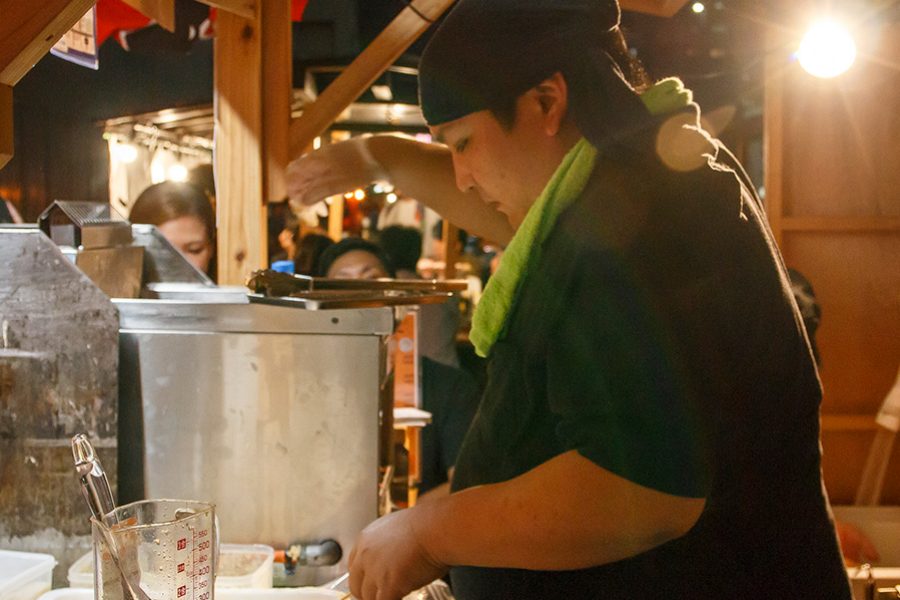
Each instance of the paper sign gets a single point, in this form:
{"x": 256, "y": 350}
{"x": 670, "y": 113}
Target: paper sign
{"x": 79, "y": 44}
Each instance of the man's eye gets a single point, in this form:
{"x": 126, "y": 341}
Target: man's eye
{"x": 461, "y": 144}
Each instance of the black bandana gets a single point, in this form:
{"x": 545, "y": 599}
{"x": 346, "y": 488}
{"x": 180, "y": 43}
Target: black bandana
{"x": 487, "y": 51}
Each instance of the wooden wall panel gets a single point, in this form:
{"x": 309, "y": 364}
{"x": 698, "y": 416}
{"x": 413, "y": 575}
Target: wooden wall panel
{"x": 856, "y": 278}
{"x": 843, "y": 132}
{"x": 833, "y": 195}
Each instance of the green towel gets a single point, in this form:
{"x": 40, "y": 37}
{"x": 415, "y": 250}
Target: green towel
{"x": 566, "y": 185}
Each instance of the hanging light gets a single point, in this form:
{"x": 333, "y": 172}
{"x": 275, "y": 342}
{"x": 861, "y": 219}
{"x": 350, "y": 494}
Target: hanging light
{"x": 698, "y": 7}
{"x": 124, "y": 152}
{"x": 359, "y": 194}
{"x": 827, "y": 49}
{"x": 391, "y": 198}
{"x": 177, "y": 172}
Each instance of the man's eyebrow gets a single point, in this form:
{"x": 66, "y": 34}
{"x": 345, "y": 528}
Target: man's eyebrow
{"x": 439, "y": 137}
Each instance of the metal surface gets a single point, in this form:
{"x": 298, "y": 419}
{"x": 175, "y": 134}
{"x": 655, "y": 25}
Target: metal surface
{"x": 271, "y": 413}
{"x": 116, "y": 271}
{"x": 162, "y": 262}
{"x": 58, "y": 362}
{"x": 334, "y": 299}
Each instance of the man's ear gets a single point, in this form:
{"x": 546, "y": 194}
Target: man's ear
{"x": 553, "y": 96}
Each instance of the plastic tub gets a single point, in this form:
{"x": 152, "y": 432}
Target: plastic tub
{"x": 244, "y": 566}
{"x": 25, "y": 575}
{"x": 307, "y": 593}
{"x": 81, "y": 572}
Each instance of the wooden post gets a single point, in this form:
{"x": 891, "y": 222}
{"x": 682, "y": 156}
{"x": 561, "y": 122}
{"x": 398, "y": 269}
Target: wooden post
{"x": 245, "y": 173}
{"x": 277, "y": 93}
{"x": 406, "y": 28}
{"x": 6, "y": 124}
{"x": 336, "y": 218}
{"x": 451, "y": 253}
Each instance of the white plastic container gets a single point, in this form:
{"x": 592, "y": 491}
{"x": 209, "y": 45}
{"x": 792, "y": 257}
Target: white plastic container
{"x": 25, "y": 575}
{"x": 306, "y": 593}
{"x": 81, "y": 572}
{"x": 244, "y": 566}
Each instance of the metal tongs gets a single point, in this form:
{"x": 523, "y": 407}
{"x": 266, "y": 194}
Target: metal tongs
{"x": 98, "y": 494}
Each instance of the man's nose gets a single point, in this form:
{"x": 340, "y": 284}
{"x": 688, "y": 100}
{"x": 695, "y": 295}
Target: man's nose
{"x": 464, "y": 180}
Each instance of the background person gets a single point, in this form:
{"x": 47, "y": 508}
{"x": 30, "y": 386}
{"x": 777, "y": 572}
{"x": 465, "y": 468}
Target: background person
{"x": 184, "y": 216}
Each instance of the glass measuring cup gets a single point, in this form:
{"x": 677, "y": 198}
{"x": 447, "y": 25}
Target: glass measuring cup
{"x": 166, "y": 549}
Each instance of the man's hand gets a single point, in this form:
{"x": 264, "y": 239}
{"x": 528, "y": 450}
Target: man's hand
{"x": 333, "y": 169}
{"x": 389, "y": 560}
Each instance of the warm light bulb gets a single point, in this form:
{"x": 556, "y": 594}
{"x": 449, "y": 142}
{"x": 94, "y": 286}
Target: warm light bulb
{"x": 177, "y": 172}
{"x": 827, "y": 50}
{"x": 359, "y": 194}
{"x": 391, "y": 198}
{"x": 698, "y": 7}
{"x": 126, "y": 153}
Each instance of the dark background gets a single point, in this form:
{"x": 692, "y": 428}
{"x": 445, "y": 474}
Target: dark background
{"x": 58, "y": 106}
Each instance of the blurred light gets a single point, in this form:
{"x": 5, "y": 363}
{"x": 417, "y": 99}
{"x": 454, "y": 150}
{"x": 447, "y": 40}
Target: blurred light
{"x": 359, "y": 194}
{"x": 387, "y": 188}
{"x": 382, "y": 93}
{"x": 377, "y": 188}
{"x": 177, "y": 172}
{"x": 698, "y": 7}
{"x": 348, "y": 195}
{"x": 391, "y": 198}
{"x": 125, "y": 152}
{"x": 317, "y": 143}
{"x": 827, "y": 50}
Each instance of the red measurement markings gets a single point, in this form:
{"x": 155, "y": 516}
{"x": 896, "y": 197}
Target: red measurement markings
{"x": 182, "y": 543}
{"x": 182, "y": 591}
{"x": 181, "y": 567}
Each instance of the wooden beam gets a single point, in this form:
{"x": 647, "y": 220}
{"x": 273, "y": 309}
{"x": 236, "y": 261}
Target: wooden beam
{"x": 864, "y": 224}
{"x": 275, "y": 22}
{"x": 241, "y": 8}
{"x": 660, "y": 8}
{"x": 6, "y": 124}
{"x": 406, "y": 27}
{"x": 161, "y": 11}
{"x": 240, "y": 210}
{"x": 29, "y": 29}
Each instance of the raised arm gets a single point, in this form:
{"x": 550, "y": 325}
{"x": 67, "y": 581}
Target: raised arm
{"x": 422, "y": 171}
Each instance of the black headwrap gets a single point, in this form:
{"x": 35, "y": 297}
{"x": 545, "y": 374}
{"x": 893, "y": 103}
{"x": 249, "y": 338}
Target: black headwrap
{"x": 487, "y": 52}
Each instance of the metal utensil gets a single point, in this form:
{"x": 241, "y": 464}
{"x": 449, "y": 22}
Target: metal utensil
{"x": 94, "y": 482}
{"x": 98, "y": 494}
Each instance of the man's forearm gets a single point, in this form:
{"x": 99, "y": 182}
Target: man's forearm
{"x": 425, "y": 172}
{"x": 568, "y": 513}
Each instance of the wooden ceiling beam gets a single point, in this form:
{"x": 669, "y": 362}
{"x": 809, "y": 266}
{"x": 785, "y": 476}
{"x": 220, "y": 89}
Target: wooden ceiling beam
{"x": 161, "y": 11}
{"x": 29, "y": 29}
{"x": 660, "y": 8}
{"x": 405, "y": 29}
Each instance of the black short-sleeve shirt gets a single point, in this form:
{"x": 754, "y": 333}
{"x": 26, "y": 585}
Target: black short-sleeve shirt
{"x": 657, "y": 336}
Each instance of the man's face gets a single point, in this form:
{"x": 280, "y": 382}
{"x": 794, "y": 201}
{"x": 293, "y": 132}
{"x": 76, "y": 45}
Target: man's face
{"x": 496, "y": 162}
